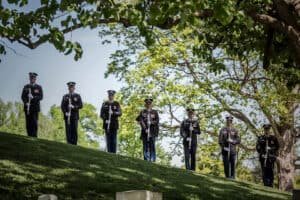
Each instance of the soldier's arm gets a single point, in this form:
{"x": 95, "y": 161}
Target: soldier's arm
{"x": 102, "y": 115}
{"x": 156, "y": 120}
{"x": 157, "y": 123}
{"x": 139, "y": 117}
{"x": 79, "y": 104}
{"x": 118, "y": 113}
{"x": 237, "y": 139}
{"x": 39, "y": 97}
{"x": 258, "y": 146}
{"x": 197, "y": 129}
{"x": 62, "y": 105}
{"x": 221, "y": 142}
{"x": 24, "y": 95}
{"x": 182, "y": 133}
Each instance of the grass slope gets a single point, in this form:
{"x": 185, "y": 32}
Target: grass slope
{"x": 30, "y": 167}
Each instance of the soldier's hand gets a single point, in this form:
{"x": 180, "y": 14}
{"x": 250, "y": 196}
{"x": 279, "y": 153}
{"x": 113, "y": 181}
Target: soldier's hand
{"x": 188, "y": 139}
{"x": 30, "y": 96}
{"x": 68, "y": 114}
{"x": 230, "y": 140}
{"x": 71, "y": 106}
{"x": 269, "y": 148}
{"x": 226, "y": 149}
{"x": 264, "y": 156}
{"x": 27, "y": 104}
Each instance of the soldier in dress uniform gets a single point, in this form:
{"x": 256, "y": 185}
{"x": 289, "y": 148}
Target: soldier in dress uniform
{"x": 149, "y": 122}
{"x": 267, "y": 146}
{"x": 110, "y": 113}
{"x": 70, "y": 105}
{"x": 32, "y": 94}
{"x": 228, "y": 139}
{"x": 189, "y": 130}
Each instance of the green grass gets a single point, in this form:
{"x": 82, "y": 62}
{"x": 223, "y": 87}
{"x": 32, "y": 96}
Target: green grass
{"x": 30, "y": 167}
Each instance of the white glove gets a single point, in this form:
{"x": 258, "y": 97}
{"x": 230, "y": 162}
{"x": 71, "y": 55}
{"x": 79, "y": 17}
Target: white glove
{"x": 188, "y": 139}
{"x": 68, "y": 114}
{"x": 27, "y": 104}
{"x": 265, "y": 156}
{"x": 230, "y": 140}
{"x": 71, "y": 106}
{"x": 226, "y": 149}
{"x": 110, "y": 112}
{"x": 269, "y": 148}
{"x": 107, "y": 121}
{"x": 30, "y": 96}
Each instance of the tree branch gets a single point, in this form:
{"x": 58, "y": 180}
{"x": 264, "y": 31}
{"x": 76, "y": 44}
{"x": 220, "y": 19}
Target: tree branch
{"x": 289, "y": 30}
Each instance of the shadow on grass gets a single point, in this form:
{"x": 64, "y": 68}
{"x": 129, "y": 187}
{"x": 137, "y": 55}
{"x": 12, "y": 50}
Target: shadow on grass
{"x": 30, "y": 167}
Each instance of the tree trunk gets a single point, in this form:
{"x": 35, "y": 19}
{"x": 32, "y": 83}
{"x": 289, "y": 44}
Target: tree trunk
{"x": 286, "y": 160}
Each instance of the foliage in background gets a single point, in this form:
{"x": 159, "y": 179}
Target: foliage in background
{"x": 51, "y": 126}
{"x": 176, "y": 78}
{"x": 267, "y": 27}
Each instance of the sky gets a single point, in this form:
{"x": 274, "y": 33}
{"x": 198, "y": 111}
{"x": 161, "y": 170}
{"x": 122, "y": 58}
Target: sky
{"x": 55, "y": 70}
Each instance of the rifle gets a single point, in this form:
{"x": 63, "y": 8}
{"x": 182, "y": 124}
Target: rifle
{"x": 148, "y": 125}
{"x": 29, "y": 101}
{"x": 69, "y": 111}
{"x": 109, "y": 119}
{"x": 148, "y": 131}
{"x": 267, "y": 152}
{"x": 191, "y": 133}
{"x": 229, "y": 166}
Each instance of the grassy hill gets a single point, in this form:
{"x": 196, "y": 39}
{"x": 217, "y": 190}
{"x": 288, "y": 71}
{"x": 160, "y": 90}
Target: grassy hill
{"x": 30, "y": 167}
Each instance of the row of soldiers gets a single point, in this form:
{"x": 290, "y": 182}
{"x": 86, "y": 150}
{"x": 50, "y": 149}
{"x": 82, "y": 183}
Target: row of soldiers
{"x": 267, "y": 145}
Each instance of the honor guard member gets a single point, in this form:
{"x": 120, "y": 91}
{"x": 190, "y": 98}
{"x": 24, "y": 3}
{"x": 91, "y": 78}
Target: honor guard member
{"x": 110, "y": 113}
{"x": 189, "y": 130}
{"x": 149, "y": 121}
{"x": 70, "y": 106}
{"x": 267, "y": 146}
{"x": 32, "y": 94}
{"x": 228, "y": 139}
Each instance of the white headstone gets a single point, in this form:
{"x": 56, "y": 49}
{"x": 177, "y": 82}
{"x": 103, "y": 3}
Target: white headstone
{"x": 138, "y": 195}
{"x": 47, "y": 197}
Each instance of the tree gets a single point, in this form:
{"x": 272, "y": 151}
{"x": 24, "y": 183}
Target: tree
{"x": 265, "y": 30}
{"x": 269, "y": 27}
{"x": 241, "y": 87}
